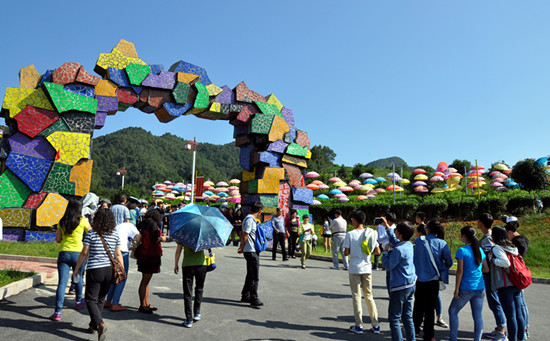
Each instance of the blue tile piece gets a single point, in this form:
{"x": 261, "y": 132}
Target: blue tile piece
{"x": 186, "y": 67}
{"x": 35, "y": 236}
{"x": 31, "y": 170}
{"x": 278, "y": 146}
{"x": 137, "y": 89}
{"x": 80, "y": 89}
{"x": 273, "y": 159}
{"x": 14, "y": 234}
{"x": 177, "y": 110}
{"x": 47, "y": 77}
{"x": 156, "y": 68}
{"x": 118, "y": 76}
{"x": 288, "y": 115}
{"x": 290, "y": 137}
{"x": 244, "y": 157}
{"x": 304, "y": 195}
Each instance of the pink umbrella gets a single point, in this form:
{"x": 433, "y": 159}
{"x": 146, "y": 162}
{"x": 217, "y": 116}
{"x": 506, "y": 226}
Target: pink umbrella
{"x": 436, "y": 178}
{"x": 345, "y": 189}
{"x": 221, "y": 189}
{"x": 234, "y": 181}
{"x": 236, "y": 200}
{"x": 357, "y": 187}
{"x": 323, "y": 186}
{"x": 354, "y": 182}
{"x": 232, "y": 188}
{"x": 496, "y": 184}
{"x": 234, "y": 192}
{"x": 381, "y": 190}
{"x": 343, "y": 199}
{"x": 312, "y": 175}
{"x": 341, "y": 195}
{"x": 334, "y": 179}
{"x": 361, "y": 197}
{"x": 451, "y": 170}
{"x": 222, "y": 183}
{"x": 419, "y": 171}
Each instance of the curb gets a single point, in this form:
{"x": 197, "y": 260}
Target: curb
{"x": 29, "y": 258}
{"x": 21, "y": 285}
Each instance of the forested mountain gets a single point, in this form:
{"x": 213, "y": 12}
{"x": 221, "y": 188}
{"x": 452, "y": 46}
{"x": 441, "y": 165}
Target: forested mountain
{"x": 148, "y": 158}
{"x": 388, "y": 163}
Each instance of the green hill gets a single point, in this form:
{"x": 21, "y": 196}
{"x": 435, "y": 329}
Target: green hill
{"x": 388, "y": 163}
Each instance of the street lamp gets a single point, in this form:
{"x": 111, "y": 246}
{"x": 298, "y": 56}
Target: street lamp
{"x": 192, "y": 145}
{"x": 121, "y": 172}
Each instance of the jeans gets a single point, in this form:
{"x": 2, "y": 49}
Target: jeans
{"x": 337, "y": 246}
{"x": 190, "y": 273}
{"x": 279, "y": 238}
{"x": 475, "y": 297}
{"x": 356, "y": 283}
{"x": 293, "y": 236}
{"x": 66, "y": 260}
{"x": 494, "y": 303}
{"x": 439, "y": 306}
{"x": 400, "y": 309}
{"x": 250, "y": 288}
{"x": 306, "y": 251}
{"x": 98, "y": 282}
{"x": 425, "y": 300}
{"x": 525, "y": 310}
{"x": 510, "y": 299}
{"x": 115, "y": 291}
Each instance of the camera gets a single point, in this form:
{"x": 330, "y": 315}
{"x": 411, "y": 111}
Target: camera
{"x": 378, "y": 221}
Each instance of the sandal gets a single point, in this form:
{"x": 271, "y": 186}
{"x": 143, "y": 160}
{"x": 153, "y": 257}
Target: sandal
{"x": 145, "y": 310}
{"x": 152, "y": 308}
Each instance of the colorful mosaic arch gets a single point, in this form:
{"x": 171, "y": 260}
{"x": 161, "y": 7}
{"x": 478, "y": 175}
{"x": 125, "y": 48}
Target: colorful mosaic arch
{"x": 52, "y": 117}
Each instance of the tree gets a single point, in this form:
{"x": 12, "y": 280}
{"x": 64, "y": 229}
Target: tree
{"x": 460, "y": 164}
{"x": 529, "y": 175}
{"x": 343, "y": 173}
{"x": 358, "y": 169}
{"x": 322, "y": 158}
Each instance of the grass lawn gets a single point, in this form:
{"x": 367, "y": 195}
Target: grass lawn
{"x": 8, "y": 276}
{"x": 29, "y": 249}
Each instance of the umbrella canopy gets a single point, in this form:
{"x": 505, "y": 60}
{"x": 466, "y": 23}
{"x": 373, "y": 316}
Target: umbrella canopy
{"x": 541, "y": 161}
{"x": 381, "y": 190}
{"x": 235, "y": 200}
{"x": 208, "y": 193}
{"x": 134, "y": 200}
{"x": 366, "y": 188}
{"x": 232, "y": 188}
{"x": 501, "y": 167}
{"x": 373, "y": 192}
{"x": 168, "y": 182}
{"x": 496, "y": 184}
{"x": 441, "y": 174}
{"x": 343, "y": 199}
{"x": 322, "y": 196}
{"x": 419, "y": 183}
{"x": 357, "y": 187}
{"x": 335, "y": 191}
{"x": 438, "y": 190}
{"x": 380, "y": 179}
{"x": 455, "y": 174}
{"x": 421, "y": 177}
{"x": 341, "y": 195}
{"x": 511, "y": 184}
{"x": 221, "y": 189}
{"x": 451, "y": 170}
{"x": 346, "y": 189}
{"x": 209, "y": 183}
{"x": 370, "y": 181}
{"x": 371, "y": 196}
{"x": 405, "y": 181}
{"x": 478, "y": 167}
{"x": 354, "y": 182}
{"x": 392, "y": 175}
{"x": 340, "y": 184}
{"x": 234, "y": 181}
{"x": 316, "y": 202}
{"x": 317, "y": 182}
{"x": 436, "y": 178}
{"x": 419, "y": 171}
{"x": 507, "y": 171}
{"x": 365, "y": 175}
{"x": 222, "y": 194}
{"x": 421, "y": 189}
{"x": 312, "y": 186}
{"x": 222, "y": 184}
{"x": 323, "y": 186}
{"x": 200, "y": 227}
{"x": 233, "y": 192}
{"x": 394, "y": 188}
{"x": 441, "y": 167}
{"x": 143, "y": 201}
{"x": 361, "y": 197}
{"x": 312, "y": 175}
{"x": 334, "y": 179}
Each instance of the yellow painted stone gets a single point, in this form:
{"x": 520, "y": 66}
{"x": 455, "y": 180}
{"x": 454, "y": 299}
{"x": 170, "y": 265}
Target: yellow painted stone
{"x": 127, "y": 48}
{"x": 308, "y": 155}
{"x": 51, "y": 210}
{"x": 272, "y": 99}
{"x": 71, "y": 146}
{"x": 117, "y": 60}
{"x": 268, "y": 186}
{"x": 81, "y": 175}
{"x": 105, "y": 88}
{"x": 29, "y": 77}
{"x": 215, "y": 107}
{"x": 213, "y": 89}
{"x": 247, "y": 176}
{"x": 278, "y": 129}
{"x": 16, "y": 99}
{"x": 277, "y": 173}
{"x": 186, "y": 77}
{"x": 293, "y": 160}
{"x": 16, "y": 217}
{"x": 269, "y": 210}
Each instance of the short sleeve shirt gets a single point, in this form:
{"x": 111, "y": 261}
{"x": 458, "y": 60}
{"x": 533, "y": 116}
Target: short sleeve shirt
{"x": 98, "y": 257}
{"x": 249, "y": 227}
{"x": 121, "y": 213}
{"x": 126, "y": 232}
{"x": 359, "y": 262}
{"x": 73, "y": 242}
{"x": 472, "y": 278}
{"x": 192, "y": 258}
{"x": 278, "y": 223}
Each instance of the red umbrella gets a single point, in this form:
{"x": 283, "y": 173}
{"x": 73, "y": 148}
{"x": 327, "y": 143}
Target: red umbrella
{"x": 419, "y": 171}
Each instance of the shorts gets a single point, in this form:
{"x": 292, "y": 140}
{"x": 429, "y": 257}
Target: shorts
{"x": 327, "y": 235}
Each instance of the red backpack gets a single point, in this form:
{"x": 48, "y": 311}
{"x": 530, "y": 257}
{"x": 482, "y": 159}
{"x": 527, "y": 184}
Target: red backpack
{"x": 519, "y": 275}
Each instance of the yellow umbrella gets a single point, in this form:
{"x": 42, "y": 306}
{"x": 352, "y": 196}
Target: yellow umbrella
{"x": 340, "y": 184}
{"x": 421, "y": 177}
{"x": 438, "y": 190}
{"x": 209, "y": 183}
{"x": 405, "y": 182}
{"x": 501, "y": 167}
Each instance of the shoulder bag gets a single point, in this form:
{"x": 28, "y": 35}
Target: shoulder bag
{"x": 119, "y": 274}
{"x": 442, "y": 285}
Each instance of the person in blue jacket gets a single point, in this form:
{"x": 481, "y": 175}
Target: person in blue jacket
{"x": 401, "y": 286}
{"x": 428, "y": 250}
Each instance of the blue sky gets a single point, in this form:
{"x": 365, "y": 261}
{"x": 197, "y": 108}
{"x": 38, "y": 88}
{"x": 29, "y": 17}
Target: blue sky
{"x": 428, "y": 81}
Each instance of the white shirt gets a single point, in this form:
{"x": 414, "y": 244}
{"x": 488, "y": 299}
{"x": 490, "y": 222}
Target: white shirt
{"x": 126, "y": 232}
{"x": 383, "y": 236}
{"x": 359, "y": 262}
{"x": 307, "y": 231}
{"x": 339, "y": 225}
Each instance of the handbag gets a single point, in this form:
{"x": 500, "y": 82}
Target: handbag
{"x": 210, "y": 261}
{"x": 133, "y": 246}
{"x": 442, "y": 285}
{"x": 119, "y": 274}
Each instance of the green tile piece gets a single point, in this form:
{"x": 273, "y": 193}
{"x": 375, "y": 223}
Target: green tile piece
{"x": 137, "y": 73}
{"x": 253, "y": 186}
{"x": 64, "y": 100}
{"x": 59, "y": 125}
{"x": 268, "y": 108}
{"x": 13, "y": 192}
{"x": 180, "y": 92}
{"x": 296, "y": 149}
{"x": 201, "y": 102}
{"x": 300, "y": 213}
{"x": 261, "y": 124}
{"x": 269, "y": 200}
{"x": 58, "y": 180}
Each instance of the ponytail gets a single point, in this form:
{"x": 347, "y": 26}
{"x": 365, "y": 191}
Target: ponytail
{"x": 470, "y": 233}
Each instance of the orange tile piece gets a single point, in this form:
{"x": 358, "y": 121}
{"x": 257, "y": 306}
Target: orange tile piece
{"x": 105, "y": 88}
{"x": 81, "y": 175}
{"x": 29, "y": 77}
{"x": 127, "y": 48}
{"x": 187, "y": 77}
{"x": 51, "y": 211}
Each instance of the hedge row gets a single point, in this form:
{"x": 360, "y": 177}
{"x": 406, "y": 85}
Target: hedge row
{"x": 452, "y": 205}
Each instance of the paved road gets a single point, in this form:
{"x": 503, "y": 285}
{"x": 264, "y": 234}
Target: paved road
{"x": 299, "y": 305}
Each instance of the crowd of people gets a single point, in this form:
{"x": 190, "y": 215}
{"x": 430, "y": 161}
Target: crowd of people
{"x": 93, "y": 233}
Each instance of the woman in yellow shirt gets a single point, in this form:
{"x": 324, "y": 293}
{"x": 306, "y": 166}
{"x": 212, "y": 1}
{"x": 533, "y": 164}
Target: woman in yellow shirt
{"x": 69, "y": 234}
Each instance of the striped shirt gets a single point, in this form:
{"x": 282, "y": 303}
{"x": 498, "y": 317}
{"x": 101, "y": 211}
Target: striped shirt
{"x": 98, "y": 257}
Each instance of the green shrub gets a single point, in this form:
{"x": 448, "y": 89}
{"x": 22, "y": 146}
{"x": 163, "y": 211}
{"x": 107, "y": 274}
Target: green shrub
{"x": 433, "y": 206}
{"x": 405, "y": 208}
{"x": 494, "y": 205}
{"x": 461, "y": 207}
{"x": 519, "y": 203}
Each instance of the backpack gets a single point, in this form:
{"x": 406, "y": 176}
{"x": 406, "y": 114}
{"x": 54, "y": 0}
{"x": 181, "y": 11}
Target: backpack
{"x": 367, "y": 241}
{"x": 260, "y": 243}
{"x": 519, "y": 275}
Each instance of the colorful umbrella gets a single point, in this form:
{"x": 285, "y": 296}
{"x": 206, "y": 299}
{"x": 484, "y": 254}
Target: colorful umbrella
{"x": 421, "y": 189}
{"x": 209, "y": 183}
{"x": 405, "y": 181}
{"x": 380, "y": 179}
{"x": 232, "y": 188}
{"x": 370, "y": 196}
{"x": 335, "y": 191}
{"x": 394, "y": 188}
{"x": 208, "y": 193}
{"x": 317, "y": 182}
{"x": 341, "y": 195}
{"x": 235, "y": 200}
{"x": 222, "y": 195}
{"x": 234, "y": 181}
{"x": 496, "y": 184}
{"x": 339, "y": 184}
{"x": 312, "y": 186}
{"x": 316, "y": 202}
{"x": 312, "y": 175}
{"x": 501, "y": 167}
{"x": 373, "y": 192}
{"x": 343, "y": 199}
{"x": 421, "y": 177}
{"x": 370, "y": 181}
{"x": 354, "y": 182}
{"x": 361, "y": 197}
{"x": 438, "y": 190}
{"x": 366, "y": 188}
{"x": 440, "y": 173}
{"x": 222, "y": 184}
{"x": 436, "y": 178}
{"x": 419, "y": 171}
{"x": 541, "y": 161}
{"x": 323, "y": 186}
{"x": 322, "y": 196}
{"x": 365, "y": 175}
{"x": 334, "y": 179}
{"x": 451, "y": 170}
{"x": 346, "y": 189}
{"x": 419, "y": 183}
{"x": 381, "y": 190}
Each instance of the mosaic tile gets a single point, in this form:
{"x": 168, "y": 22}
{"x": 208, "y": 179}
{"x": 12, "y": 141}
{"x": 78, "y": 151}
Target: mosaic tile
{"x": 37, "y": 236}
{"x": 296, "y": 150}
{"x": 81, "y": 175}
{"x": 79, "y": 122}
{"x": 288, "y": 116}
{"x": 304, "y": 195}
{"x": 302, "y": 139}
{"x": 164, "y": 80}
{"x": 31, "y": 170}
{"x": 180, "y": 93}
{"x": 294, "y": 175}
{"x": 84, "y": 77}
{"x": 29, "y": 77}
{"x": 31, "y": 121}
{"x": 170, "y": 111}
{"x": 156, "y": 68}
{"x": 274, "y": 173}
{"x": 278, "y": 129}
{"x": 127, "y": 95}
{"x": 106, "y": 88}
{"x": 118, "y": 76}
{"x": 300, "y": 207}
{"x": 114, "y": 59}
{"x": 247, "y": 112}
{"x": 272, "y": 99}
{"x": 187, "y": 78}
{"x": 290, "y": 136}
{"x": 244, "y": 94}
{"x": 273, "y": 159}
{"x": 277, "y": 146}
{"x": 295, "y": 161}
{"x": 225, "y": 96}
{"x": 269, "y": 200}
{"x": 137, "y": 73}
{"x": 17, "y": 99}
{"x": 65, "y": 100}
{"x": 14, "y": 234}
{"x": 261, "y": 124}
{"x": 284, "y": 198}
{"x": 46, "y": 77}
{"x": 213, "y": 89}
{"x": 71, "y": 147}
{"x": 13, "y": 192}
{"x": 241, "y": 140}
{"x": 247, "y": 176}
{"x": 16, "y": 217}
{"x": 66, "y": 73}
{"x": 80, "y": 89}
{"x": 51, "y": 210}
{"x": 127, "y": 48}
{"x": 58, "y": 180}
{"x": 105, "y": 103}
{"x": 37, "y": 147}
{"x": 182, "y": 66}
{"x": 201, "y": 100}
{"x": 35, "y": 199}
{"x": 100, "y": 117}
{"x": 157, "y": 97}
{"x": 267, "y": 108}
{"x": 59, "y": 125}
{"x": 244, "y": 157}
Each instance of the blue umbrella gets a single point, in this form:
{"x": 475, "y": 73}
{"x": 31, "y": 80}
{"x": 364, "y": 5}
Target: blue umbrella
{"x": 335, "y": 191}
{"x": 222, "y": 194}
{"x": 322, "y": 196}
{"x": 380, "y": 179}
{"x": 208, "y": 193}
{"x": 370, "y": 181}
{"x": 541, "y": 161}
{"x": 200, "y": 227}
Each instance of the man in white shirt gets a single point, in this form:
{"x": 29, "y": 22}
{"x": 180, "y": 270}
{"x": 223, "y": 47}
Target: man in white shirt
{"x": 360, "y": 270}
{"x": 339, "y": 227}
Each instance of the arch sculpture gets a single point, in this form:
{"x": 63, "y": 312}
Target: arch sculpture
{"x": 46, "y": 158}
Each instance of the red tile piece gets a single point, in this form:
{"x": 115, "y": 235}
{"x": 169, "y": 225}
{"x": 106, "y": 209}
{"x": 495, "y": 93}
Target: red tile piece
{"x": 32, "y": 121}
{"x": 157, "y": 97}
{"x": 247, "y": 112}
{"x": 244, "y": 94}
{"x": 127, "y": 95}
{"x": 35, "y": 199}
{"x": 295, "y": 178}
{"x": 86, "y": 78}
{"x": 302, "y": 139}
{"x": 66, "y": 73}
